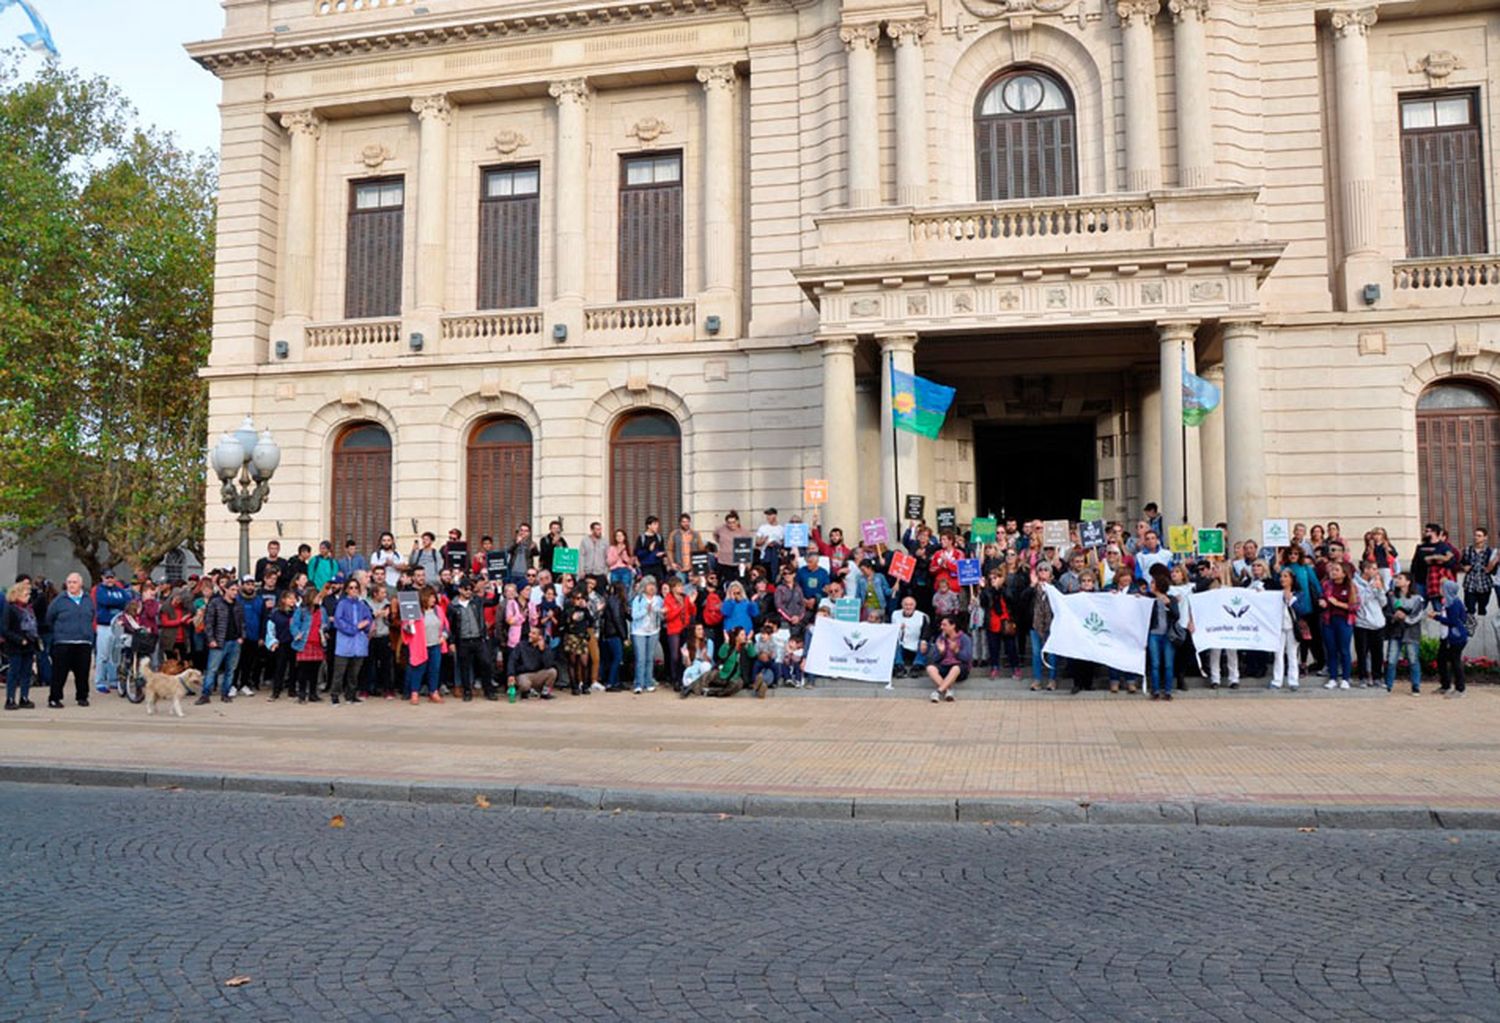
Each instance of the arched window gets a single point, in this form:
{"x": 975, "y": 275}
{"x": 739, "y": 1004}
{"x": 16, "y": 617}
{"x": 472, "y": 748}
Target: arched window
{"x": 361, "y": 486}
{"x": 645, "y": 470}
{"x": 1024, "y": 137}
{"x": 499, "y": 479}
{"x": 1458, "y": 457}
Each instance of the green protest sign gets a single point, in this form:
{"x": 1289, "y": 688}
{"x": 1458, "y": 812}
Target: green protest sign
{"x": 565, "y": 561}
{"x": 984, "y": 530}
{"x": 1211, "y": 542}
{"x": 1090, "y": 509}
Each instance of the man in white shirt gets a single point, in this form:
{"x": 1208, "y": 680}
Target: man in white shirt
{"x": 388, "y": 558}
{"x": 911, "y": 645}
{"x": 1151, "y": 553}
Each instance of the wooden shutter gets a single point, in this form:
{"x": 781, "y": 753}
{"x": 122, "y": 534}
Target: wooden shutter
{"x": 1025, "y": 157}
{"x": 650, "y": 246}
{"x": 1442, "y": 177}
{"x": 645, "y": 478}
{"x": 1458, "y": 469}
{"x": 372, "y": 279}
{"x": 509, "y": 227}
{"x": 361, "y": 492}
{"x": 499, "y": 483}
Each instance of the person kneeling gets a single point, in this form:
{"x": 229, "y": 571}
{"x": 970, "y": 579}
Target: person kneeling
{"x": 533, "y": 667}
{"x": 955, "y": 655}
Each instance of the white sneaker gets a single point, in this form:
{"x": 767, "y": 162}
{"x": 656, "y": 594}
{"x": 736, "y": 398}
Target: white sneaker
{"x": 936, "y": 697}
{"x": 651, "y": 688}
{"x": 1330, "y": 684}
{"x": 1275, "y": 685}
{"x": 1344, "y": 683}
{"x": 948, "y": 696}
{"x": 597, "y": 687}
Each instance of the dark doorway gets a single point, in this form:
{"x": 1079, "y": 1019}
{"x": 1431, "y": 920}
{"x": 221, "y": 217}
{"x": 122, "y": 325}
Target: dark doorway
{"x": 1034, "y": 472}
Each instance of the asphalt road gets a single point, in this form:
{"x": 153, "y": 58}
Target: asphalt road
{"x": 128, "y": 904}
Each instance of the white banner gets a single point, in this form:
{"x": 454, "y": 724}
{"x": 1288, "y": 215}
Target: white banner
{"x": 857, "y": 650}
{"x": 1106, "y": 628}
{"x": 1237, "y": 619}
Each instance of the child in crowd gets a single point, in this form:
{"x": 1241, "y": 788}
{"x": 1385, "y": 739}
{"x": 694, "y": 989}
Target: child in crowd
{"x": 791, "y": 661}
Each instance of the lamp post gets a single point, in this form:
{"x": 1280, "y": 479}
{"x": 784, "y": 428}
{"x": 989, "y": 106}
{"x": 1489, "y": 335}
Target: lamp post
{"x": 244, "y": 463}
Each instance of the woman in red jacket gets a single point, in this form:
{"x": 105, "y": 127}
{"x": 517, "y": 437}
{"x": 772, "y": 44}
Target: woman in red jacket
{"x": 175, "y": 616}
{"x": 678, "y": 612}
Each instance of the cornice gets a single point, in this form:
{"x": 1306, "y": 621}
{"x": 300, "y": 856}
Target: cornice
{"x": 397, "y": 34}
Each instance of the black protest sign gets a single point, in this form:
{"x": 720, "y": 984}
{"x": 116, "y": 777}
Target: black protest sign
{"x": 947, "y": 520}
{"x": 916, "y": 506}
{"x": 744, "y": 549}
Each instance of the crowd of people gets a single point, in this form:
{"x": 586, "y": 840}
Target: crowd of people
{"x": 730, "y": 610}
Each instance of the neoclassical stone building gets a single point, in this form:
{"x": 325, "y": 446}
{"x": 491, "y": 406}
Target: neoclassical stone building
{"x": 482, "y": 262}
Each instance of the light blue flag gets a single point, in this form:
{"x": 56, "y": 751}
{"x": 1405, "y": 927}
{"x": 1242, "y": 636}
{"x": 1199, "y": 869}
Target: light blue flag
{"x": 40, "y": 38}
{"x": 1199, "y": 397}
{"x": 919, "y": 405}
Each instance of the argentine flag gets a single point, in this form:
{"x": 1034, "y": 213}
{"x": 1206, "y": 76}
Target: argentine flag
{"x": 40, "y": 37}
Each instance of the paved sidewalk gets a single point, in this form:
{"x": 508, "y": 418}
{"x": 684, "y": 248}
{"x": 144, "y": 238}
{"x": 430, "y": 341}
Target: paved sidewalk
{"x": 1361, "y": 749}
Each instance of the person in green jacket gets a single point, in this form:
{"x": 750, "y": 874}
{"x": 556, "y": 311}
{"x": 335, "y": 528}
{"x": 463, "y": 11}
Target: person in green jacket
{"x": 323, "y": 567}
{"x": 729, "y": 679}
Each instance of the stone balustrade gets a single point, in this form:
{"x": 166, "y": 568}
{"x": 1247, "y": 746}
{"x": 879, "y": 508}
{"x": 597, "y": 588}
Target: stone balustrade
{"x": 351, "y": 6}
{"x": 666, "y": 320}
{"x": 349, "y": 339}
{"x": 494, "y": 328}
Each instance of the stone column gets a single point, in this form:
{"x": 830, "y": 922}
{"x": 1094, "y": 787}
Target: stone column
{"x": 299, "y": 266}
{"x": 840, "y": 457}
{"x": 435, "y": 115}
{"x": 1195, "y": 128}
{"x": 571, "y": 177}
{"x": 862, "y": 131}
{"x": 1148, "y": 445}
{"x": 1358, "y": 199}
{"x": 1142, "y": 133}
{"x": 1175, "y": 339}
{"x": 1244, "y": 442}
{"x": 898, "y": 459}
{"x": 1211, "y": 439}
{"x": 911, "y": 110}
{"x": 720, "y": 166}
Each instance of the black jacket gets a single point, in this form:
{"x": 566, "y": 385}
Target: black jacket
{"x": 16, "y": 641}
{"x": 526, "y": 659}
{"x": 217, "y": 617}
{"x": 612, "y": 623}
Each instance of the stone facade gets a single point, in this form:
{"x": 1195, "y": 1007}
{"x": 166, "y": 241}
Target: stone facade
{"x": 1239, "y": 191}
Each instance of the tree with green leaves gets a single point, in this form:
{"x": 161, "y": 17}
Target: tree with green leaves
{"x": 106, "y": 291}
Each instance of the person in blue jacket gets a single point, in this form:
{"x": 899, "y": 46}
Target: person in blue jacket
{"x": 110, "y": 598}
{"x": 252, "y": 651}
{"x": 70, "y": 621}
{"x": 1454, "y": 617}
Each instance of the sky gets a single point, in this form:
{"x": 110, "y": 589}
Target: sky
{"x": 140, "y": 52}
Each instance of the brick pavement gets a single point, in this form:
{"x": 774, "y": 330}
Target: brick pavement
{"x": 140, "y": 904}
{"x": 1276, "y": 748}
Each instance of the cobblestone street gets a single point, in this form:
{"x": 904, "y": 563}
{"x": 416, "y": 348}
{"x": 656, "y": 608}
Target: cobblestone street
{"x": 129, "y": 904}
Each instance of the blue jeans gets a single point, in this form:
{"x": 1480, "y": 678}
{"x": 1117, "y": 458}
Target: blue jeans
{"x": 1039, "y": 662}
{"x": 1337, "y": 635}
{"x": 623, "y": 577}
{"x": 222, "y": 661}
{"x": 105, "y": 677}
{"x": 427, "y": 673}
{"x": 1159, "y": 662}
{"x": 1393, "y": 650}
{"x": 645, "y": 659}
{"x": 611, "y": 657}
{"x": 19, "y": 677}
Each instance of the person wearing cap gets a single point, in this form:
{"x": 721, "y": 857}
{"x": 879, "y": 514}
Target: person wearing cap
{"x": 322, "y": 568}
{"x": 110, "y": 598}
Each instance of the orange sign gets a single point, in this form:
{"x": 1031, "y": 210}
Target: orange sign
{"x": 814, "y": 491}
{"x": 902, "y": 566}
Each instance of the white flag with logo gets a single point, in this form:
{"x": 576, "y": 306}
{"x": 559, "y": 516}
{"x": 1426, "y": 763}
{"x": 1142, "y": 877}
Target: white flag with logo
{"x": 1237, "y": 619}
{"x": 1106, "y": 628}
{"x": 857, "y": 650}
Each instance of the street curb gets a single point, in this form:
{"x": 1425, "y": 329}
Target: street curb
{"x": 998, "y": 811}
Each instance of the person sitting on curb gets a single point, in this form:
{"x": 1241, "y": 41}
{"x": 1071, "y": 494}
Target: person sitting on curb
{"x": 533, "y": 668}
{"x": 953, "y": 658}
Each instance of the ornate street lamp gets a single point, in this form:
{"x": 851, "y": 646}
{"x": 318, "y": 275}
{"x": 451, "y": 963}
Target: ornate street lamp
{"x": 244, "y": 463}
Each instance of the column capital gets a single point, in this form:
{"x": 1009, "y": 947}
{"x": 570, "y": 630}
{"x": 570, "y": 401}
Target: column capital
{"x": 1174, "y": 331}
{"x": 1185, "y": 9}
{"x": 1138, "y": 11}
{"x": 909, "y": 32}
{"x": 903, "y": 342}
{"x": 1355, "y": 22}
{"x": 836, "y": 344}
{"x": 717, "y": 76}
{"x": 436, "y": 106}
{"x": 569, "y": 90}
{"x": 1240, "y": 330}
{"x": 860, "y": 37}
{"x": 302, "y": 122}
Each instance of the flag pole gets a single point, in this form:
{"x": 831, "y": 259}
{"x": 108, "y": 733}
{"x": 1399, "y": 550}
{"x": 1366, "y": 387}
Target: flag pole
{"x": 1182, "y": 426}
{"x": 895, "y": 454}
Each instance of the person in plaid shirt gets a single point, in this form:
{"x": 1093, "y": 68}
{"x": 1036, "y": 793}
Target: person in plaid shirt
{"x": 1434, "y": 560}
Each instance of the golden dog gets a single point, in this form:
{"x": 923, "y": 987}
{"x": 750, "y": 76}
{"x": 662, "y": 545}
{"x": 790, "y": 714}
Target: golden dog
{"x": 161, "y": 686}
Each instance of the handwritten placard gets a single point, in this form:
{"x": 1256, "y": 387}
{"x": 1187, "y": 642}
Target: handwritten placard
{"x": 814, "y": 492}
{"x": 902, "y": 566}
{"x": 1180, "y": 539}
{"x": 1055, "y": 533}
{"x": 968, "y": 572}
{"x": 796, "y": 535}
{"x": 874, "y": 532}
